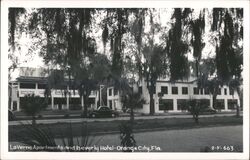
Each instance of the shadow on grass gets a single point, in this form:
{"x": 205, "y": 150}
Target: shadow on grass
{"x": 43, "y": 138}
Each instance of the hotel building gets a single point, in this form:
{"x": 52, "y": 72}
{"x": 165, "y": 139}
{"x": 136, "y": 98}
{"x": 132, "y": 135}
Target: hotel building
{"x": 168, "y": 97}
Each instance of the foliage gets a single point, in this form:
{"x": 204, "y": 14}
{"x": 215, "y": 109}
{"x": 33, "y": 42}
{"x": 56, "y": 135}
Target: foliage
{"x": 235, "y": 84}
{"x": 176, "y": 47}
{"x": 126, "y": 136}
{"x": 68, "y": 44}
{"x": 229, "y": 59}
{"x": 198, "y": 28}
{"x": 39, "y": 136}
{"x": 154, "y": 67}
{"x": 14, "y": 15}
{"x": 32, "y": 105}
{"x": 195, "y": 107}
{"x": 132, "y": 100}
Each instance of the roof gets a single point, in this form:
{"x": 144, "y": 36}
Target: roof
{"x": 32, "y": 79}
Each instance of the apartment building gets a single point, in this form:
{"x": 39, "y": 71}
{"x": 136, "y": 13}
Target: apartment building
{"x": 171, "y": 97}
{"x": 35, "y": 80}
{"x": 168, "y": 97}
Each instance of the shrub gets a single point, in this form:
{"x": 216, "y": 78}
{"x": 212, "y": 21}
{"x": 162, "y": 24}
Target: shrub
{"x": 195, "y": 107}
{"x": 126, "y": 136}
{"x": 39, "y": 135}
{"x": 32, "y": 105}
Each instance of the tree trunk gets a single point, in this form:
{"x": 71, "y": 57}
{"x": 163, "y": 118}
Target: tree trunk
{"x": 132, "y": 116}
{"x": 85, "y": 110}
{"x": 238, "y": 106}
{"x": 151, "y": 103}
{"x": 237, "y": 111}
{"x": 196, "y": 119}
{"x": 151, "y": 96}
{"x": 214, "y": 100}
{"x": 33, "y": 120}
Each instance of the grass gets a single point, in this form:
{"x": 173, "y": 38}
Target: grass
{"x": 102, "y": 127}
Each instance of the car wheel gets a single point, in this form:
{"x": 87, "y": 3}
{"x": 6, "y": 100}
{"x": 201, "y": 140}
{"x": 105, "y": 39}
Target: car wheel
{"x": 93, "y": 115}
{"x": 112, "y": 115}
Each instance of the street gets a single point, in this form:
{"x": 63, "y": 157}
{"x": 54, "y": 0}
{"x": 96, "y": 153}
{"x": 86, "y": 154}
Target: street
{"x": 227, "y": 138}
{"x": 77, "y": 120}
{"x": 188, "y": 140}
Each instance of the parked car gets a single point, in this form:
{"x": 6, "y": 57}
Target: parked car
{"x": 11, "y": 115}
{"x": 208, "y": 111}
{"x": 103, "y": 111}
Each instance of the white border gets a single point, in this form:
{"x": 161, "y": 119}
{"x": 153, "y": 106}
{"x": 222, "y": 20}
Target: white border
{"x": 109, "y": 4}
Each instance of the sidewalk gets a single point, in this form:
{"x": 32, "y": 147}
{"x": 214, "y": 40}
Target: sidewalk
{"x": 79, "y": 120}
{"x": 69, "y": 114}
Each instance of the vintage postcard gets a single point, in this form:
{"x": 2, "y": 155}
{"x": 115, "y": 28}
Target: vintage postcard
{"x": 125, "y": 79}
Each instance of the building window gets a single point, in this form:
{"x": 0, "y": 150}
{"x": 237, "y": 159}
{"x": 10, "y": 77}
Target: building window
{"x": 184, "y": 90}
{"x": 166, "y": 104}
{"x": 164, "y": 90}
{"x": 225, "y": 91}
{"x": 14, "y": 105}
{"x": 110, "y": 104}
{"x": 28, "y": 85}
{"x": 201, "y": 91}
{"x": 196, "y": 90}
{"x": 174, "y": 90}
{"x": 115, "y": 92}
{"x": 220, "y": 104}
{"x": 232, "y": 103}
{"x": 182, "y": 104}
{"x": 204, "y": 102}
{"x": 42, "y": 86}
{"x": 206, "y": 91}
{"x": 140, "y": 90}
{"x": 231, "y": 91}
{"x": 110, "y": 92}
{"x": 219, "y": 91}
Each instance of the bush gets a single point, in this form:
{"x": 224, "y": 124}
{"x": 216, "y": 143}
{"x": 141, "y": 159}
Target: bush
{"x": 38, "y": 135}
{"x": 32, "y": 105}
{"x": 126, "y": 136}
{"x": 195, "y": 107}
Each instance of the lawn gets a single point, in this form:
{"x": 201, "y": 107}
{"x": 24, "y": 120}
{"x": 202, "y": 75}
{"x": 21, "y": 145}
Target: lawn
{"x": 142, "y": 125}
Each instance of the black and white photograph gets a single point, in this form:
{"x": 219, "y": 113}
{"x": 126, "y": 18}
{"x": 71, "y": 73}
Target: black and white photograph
{"x": 124, "y": 80}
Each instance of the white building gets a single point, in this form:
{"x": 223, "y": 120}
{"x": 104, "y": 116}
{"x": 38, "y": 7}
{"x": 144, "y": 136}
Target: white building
{"x": 34, "y": 81}
{"x": 169, "y": 97}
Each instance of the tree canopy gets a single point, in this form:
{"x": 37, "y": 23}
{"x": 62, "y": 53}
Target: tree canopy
{"x": 135, "y": 41}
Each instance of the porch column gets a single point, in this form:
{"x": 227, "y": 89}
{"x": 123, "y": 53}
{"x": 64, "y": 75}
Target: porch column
{"x": 18, "y": 97}
{"x": 18, "y": 104}
{"x": 175, "y": 105}
{"x": 67, "y": 102}
{"x": 11, "y": 105}
{"x": 226, "y": 105}
{"x": 68, "y": 91}
{"x": 36, "y": 89}
{"x": 82, "y": 102}
{"x": 96, "y": 99}
{"x": 11, "y": 102}
{"x": 211, "y": 102}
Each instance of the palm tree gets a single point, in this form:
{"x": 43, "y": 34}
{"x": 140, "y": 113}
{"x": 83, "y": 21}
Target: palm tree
{"x": 32, "y": 105}
{"x": 132, "y": 100}
{"x": 234, "y": 84}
